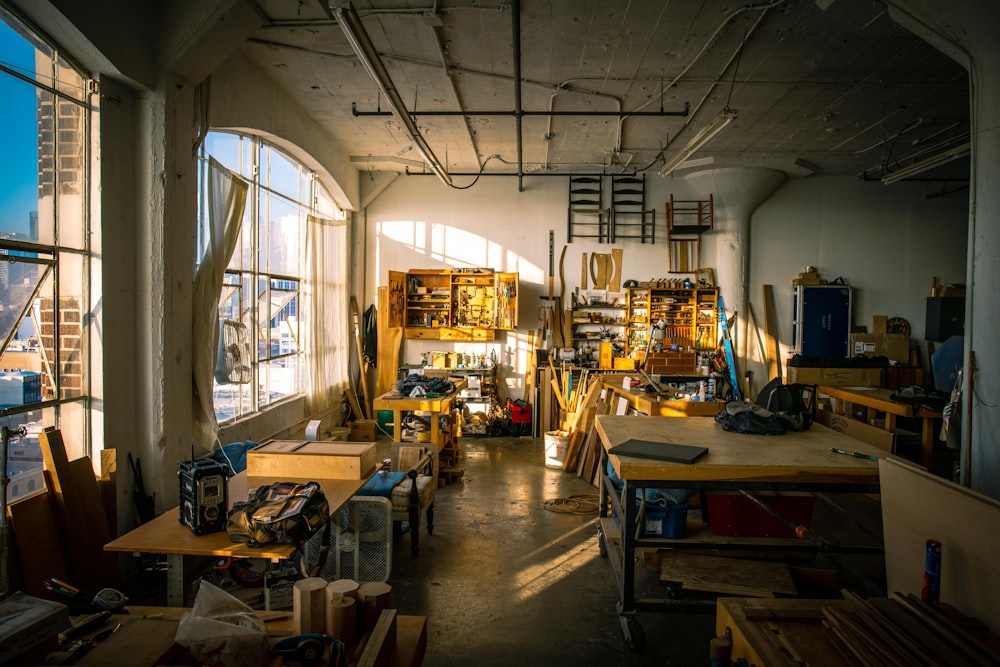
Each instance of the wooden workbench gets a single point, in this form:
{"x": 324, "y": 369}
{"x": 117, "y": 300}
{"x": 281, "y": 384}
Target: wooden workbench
{"x": 878, "y": 399}
{"x": 167, "y": 535}
{"x": 795, "y": 461}
{"x": 146, "y": 634}
{"x": 653, "y": 406}
{"x": 434, "y": 408}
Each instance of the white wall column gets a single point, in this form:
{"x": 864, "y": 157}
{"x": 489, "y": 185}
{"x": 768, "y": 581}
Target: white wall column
{"x": 736, "y": 194}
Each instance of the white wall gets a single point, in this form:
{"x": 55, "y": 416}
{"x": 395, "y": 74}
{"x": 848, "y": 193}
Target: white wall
{"x": 888, "y": 242}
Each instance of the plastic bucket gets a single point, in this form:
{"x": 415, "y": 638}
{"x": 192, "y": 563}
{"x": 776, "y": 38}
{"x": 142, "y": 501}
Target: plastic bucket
{"x": 556, "y": 443}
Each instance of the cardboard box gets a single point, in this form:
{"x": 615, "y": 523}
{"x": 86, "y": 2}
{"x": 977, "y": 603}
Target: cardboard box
{"x": 605, "y": 359}
{"x": 879, "y": 324}
{"x": 362, "y": 430}
{"x": 893, "y": 346}
{"x": 30, "y": 625}
{"x": 624, "y": 364}
{"x": 299, "y": 460}
{"x": 834, "y": 376}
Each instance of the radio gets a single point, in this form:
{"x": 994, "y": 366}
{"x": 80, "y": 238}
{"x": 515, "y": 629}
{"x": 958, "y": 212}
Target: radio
{"x": 203, "y": 495}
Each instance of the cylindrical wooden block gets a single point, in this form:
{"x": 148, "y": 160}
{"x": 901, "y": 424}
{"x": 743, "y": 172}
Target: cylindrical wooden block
{"x": 347, "y": 588}
{"x": 309, "y": 605}
{"x": 341, "y": 617}
{"x": 373, "y": 596}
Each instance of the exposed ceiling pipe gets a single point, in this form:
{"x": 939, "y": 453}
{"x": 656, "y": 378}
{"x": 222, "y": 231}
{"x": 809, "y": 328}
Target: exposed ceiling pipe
{"x": 515, "y": 20}
{"x": 451, "y": 82}
{"x": 528, "y": 112}
{"x": 357, "y": 36}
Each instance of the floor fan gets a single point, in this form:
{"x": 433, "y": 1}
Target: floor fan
{"x": 232, "y": 366}
{"x": 360, "y": 541}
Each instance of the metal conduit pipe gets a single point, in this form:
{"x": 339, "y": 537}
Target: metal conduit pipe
{"x": 361, "y": 43}
{"x": 515, "y": 21}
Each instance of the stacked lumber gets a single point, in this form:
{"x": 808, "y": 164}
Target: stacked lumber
{"x": 904, "y": 630}
{"x": 583, "y": 454}
{"x": 61, "y": 533}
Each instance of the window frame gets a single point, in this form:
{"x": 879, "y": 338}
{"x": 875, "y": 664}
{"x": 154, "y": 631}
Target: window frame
{"x": 62, "y": 86}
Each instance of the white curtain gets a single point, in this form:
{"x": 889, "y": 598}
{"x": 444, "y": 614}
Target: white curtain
{"x": 227, "y": 197}
{"x": 325, "y": 300}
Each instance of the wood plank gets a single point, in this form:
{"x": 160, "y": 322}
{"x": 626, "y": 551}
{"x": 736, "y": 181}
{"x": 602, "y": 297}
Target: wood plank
{"x": 77, "y": 501}
{"x": 389, "y": 341}
{"x": 771, "y": 335}
{"x": 381, "y": 642}
{"x": 916, "y": 506}
{"x": 730, "y": 576}
{"x": 38, "y": 542}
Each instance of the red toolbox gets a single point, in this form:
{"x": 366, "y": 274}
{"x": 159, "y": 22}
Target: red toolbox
{"x": 732, "y": 514}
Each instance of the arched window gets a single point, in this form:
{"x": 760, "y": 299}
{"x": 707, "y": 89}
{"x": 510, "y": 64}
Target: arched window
{"x": 264, "y": 325}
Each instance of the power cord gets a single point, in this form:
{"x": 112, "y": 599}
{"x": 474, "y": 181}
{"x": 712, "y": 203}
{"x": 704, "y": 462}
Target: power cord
{"x": 581, "y": 503}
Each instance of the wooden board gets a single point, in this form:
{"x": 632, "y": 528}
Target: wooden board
{"x": 381, "y": 644}
{"x": 731, "y": 576}
{"x": 38, "y": 542}
{"x": 854, "y": 428}
{"x": 389, "y": 342}
{"x": 916, "y": 506}
{"x": 771, "y": 344}
{"x": 77, "y": 501}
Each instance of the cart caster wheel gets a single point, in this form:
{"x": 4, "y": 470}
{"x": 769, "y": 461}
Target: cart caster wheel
{"x": 633, "y": 634}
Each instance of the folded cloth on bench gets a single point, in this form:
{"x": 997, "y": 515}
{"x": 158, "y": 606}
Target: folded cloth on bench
{"x": 382, "y": 484}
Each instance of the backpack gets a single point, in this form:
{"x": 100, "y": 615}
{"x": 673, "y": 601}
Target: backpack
{"x": 283, "y": 512}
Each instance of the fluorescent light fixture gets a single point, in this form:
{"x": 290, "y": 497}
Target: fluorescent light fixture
{"x": 354, "y": 30}
{"x": 927, "y": 164}
{"x": 705, "y": 134}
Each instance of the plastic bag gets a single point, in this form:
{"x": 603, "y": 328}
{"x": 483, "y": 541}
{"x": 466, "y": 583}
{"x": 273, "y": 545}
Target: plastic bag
{"x": 222, "y": 631}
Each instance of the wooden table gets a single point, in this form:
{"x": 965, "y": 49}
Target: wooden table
{"x": 145, "y": 637}
{"x": 167, "y": 535}
{"x": 877, "y": 399}
{"x": 653, "y": 406}
{"x": 445, "y": 440}
{"x": 795, "y": 461}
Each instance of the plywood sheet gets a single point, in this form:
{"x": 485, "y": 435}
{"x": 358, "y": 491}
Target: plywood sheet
{"x": 917, "y": 506}
{"x": 731, "y": 576}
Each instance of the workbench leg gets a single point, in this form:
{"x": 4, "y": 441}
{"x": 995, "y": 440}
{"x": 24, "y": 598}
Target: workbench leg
{"x": 927, "y": 443}
{"x": 175, "y": 580}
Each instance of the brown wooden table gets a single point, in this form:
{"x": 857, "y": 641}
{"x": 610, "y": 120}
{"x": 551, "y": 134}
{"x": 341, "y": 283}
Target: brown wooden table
{"x": 877, "y": 399}
{"x": 167, "y": 535}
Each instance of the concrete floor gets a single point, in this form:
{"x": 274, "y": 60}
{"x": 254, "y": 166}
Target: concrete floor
{"x": 503, "y": 581}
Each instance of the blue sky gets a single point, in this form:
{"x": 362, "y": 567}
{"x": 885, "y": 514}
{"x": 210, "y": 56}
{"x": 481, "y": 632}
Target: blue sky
{"x": 18, "y": 135}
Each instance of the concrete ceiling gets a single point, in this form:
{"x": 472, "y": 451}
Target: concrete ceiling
{"x": 818, "y": 86}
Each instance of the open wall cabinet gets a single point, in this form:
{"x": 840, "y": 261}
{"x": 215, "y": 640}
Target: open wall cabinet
{"x": 457, "y": 304}
{"x": 687, "y": 318}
